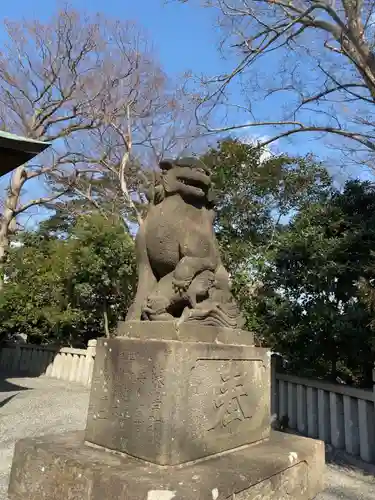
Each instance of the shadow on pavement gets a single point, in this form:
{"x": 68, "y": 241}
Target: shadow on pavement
{"x": 6, "y": 386}
{"x": 343, "y": 459}
{"x": 6, "y": 400}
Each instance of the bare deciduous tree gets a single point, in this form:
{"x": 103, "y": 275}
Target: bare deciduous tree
{"x": 151, "y": 118}
{"x": 316, "y": 56}
{"x": 88, "y": 85}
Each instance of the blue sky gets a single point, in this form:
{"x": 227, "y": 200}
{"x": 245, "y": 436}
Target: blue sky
{"x": 182, "y": 34}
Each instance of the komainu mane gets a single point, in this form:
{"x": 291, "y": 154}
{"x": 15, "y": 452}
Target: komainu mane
{"x": 180, "y": 273}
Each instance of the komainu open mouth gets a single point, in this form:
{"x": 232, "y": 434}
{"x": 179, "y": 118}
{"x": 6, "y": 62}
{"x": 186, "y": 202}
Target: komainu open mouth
{"x": 193, "y": 182}
{"x": 194, "y": 179}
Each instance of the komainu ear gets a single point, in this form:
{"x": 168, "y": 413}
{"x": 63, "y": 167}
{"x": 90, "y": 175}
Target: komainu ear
{"x": 166, "y": 164}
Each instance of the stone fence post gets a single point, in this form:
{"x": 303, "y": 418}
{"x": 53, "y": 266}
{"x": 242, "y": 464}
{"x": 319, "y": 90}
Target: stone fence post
{"x": 274, "y": 388}
{"x": 90, "y": 357}
{"x": 276, "y": 367}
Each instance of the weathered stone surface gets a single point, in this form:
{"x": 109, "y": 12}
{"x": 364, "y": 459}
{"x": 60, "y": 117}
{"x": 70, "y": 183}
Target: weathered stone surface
{"x": 63, "y": 468}
{"x": 170, "y": 402}
{"x": 166, "y": 330}
{"x": 180, "y": 272}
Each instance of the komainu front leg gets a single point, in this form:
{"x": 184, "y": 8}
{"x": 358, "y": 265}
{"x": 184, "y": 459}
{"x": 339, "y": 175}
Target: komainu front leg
{"x": 187, "y": 269}
{"x": 156, "y": 309}
{"x": 161, "y": 300}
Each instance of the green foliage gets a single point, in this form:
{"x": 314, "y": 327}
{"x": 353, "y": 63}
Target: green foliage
{"x": 313, "y": 304}
{"x": 64, "y": 289}
{"x": 300, "y": 255}
{"x": 257, "y": 195}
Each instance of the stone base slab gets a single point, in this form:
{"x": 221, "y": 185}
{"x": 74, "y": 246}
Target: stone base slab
{"x": 185, "y": 332}
{"x": 63, "y": 467}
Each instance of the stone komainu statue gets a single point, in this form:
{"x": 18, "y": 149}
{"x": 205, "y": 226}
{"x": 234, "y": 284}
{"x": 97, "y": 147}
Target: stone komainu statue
{"x": 180, "y": 273}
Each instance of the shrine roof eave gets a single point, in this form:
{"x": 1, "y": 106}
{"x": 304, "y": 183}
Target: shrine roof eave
{"x": 16, "y": 150}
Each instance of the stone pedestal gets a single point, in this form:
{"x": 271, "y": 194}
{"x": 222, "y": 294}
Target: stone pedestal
{"x": 175, "y": 412}
{"x": 170, "y": 402}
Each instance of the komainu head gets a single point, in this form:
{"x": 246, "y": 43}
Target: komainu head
{"x": 188, "y": 177}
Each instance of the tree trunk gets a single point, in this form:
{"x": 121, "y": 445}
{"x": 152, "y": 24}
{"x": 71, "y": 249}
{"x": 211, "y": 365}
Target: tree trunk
{"x": 106, "y": 322}
{"x": 334, "y": 367}
{"x": 8, "y": 220}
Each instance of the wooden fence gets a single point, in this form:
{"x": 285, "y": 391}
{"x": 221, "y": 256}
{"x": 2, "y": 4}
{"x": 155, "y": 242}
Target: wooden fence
{"x": 339, "y": 415}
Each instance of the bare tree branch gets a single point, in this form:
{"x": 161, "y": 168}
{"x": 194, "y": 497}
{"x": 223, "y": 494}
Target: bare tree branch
{"x": 79, "y": 81}
{"x": 319, "y": 56}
